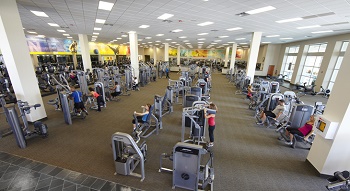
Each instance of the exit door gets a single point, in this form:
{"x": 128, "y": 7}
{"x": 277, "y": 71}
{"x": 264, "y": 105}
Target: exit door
{"x": 270, "y": 70}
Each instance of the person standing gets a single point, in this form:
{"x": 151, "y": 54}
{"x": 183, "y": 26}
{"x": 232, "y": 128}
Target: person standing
{"x": 98, "y": 97}
{"x": 78, "y": 101}
{"x": 167, "y": 72}
{"x": 210, "y": 115}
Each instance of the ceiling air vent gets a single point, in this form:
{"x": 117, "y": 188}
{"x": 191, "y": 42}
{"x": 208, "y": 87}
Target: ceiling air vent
{"x": 65, "y": 27}
{"x": 167, "y": 21}
{"x": 214, "y": 30}
{"x": 108, "y": 24}
{"x": 243, "y": 14}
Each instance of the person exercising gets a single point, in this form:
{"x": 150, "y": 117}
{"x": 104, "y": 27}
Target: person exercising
{"x": 116, "y": 89}
{"x": 78, "y": 101}
{"x": 250, "y": 92}
{"x": 303, "y": 131}
{"x": 211, "y": 122}
{"x": 274, "y": 113}
{"x": 98, "y": 97}
{"x": 141, "y": 117}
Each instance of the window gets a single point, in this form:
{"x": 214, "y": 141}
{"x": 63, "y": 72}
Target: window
{"x": 312, "y": 63}
{"x": 290, "y": 59}
{"x": 337, "y": 65}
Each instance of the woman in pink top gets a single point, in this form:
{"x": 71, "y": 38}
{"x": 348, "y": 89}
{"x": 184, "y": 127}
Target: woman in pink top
{"x": 211, "y": 122}
{"x": 302, "y": 131}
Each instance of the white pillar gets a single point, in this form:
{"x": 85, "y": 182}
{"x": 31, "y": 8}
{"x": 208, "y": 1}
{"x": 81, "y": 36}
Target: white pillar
{"x": 166, "y": 52}
{"x": 233, "y": 56}
{"x": 178, "y": 55}
{"x": 134, "y": 53}
{"x": 85, "y": 51}
{"x": 155, "y": 55}
{"x": 226, "y": 56}
{"x": 253, "y": 54}
{"x": 330, "y": 155}
{"x": 18, "y": 62}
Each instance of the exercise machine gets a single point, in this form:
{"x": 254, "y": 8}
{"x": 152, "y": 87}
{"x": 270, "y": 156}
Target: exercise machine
{"x": 339, "y": 182}
{"x": 188, "y": 170}
{"x": 127, "y": 155}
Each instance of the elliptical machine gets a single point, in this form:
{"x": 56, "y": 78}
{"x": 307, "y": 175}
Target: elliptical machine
{"x": 23, "y": 133}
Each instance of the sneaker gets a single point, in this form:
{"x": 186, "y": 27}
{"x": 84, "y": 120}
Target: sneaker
{"x": 86, "y": 112}
{"x": 259, "y": 123}
{"x": 210, "y": 144}
{"x": 98, "y": 110}
{"x": 288, "y": 143}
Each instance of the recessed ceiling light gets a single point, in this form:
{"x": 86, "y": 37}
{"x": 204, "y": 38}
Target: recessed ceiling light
{"x": 124, "y": 35}
{"x": 148, "y": 37}
{"x": 176, "y": 30}
{"x": 53, "y": 24}
{"x": 149, "y": 42}
{"x": 316, "y": 32}
{"x": 119, "y": 38}
{"x": 286, "y": 38}
{"x": 289, "y": 20}
{"x": 217, "y": 40}
{"x": 139, "y": 39}
{"x": 115, "y": 40}
{"x": 157, "y": 44}
{"x": 233, "y": 29}
{"x": 201, "y": 39}
{"x": 168, "y": 39}
{"x": 96, "y": 33}
{"x": 100, "y": 21}
{"x": 260, "y": 10}
{"x": 65, "y": 34}
{"x": 97, "y": 29}
{"x": 213, "y": 43}
{"x": 231, "y": 42}
{"x": 225, "y": 44}
{"x": 183, "y": 37}
{"x": 309, "y": 27}
{"x": 158, "y": 41}
{"x": 200, "y": 42}
{"x": 143, "y": 26}
{"x": 243, "y": 43}
{"x": 205, "y": 23}
{"x": 202, "y": 33}
{"x": 41, "y": 36}
{"x": 173, "y": 42}
{"x": 24, "y": 28}
{"x": 39, "y": 13}
{"x": 61, "y": 30}
{"x": 165, "y": 16}
{"x": 240, "y": 38}
{"x": 94, "y": 36}
{"x": 270, "y": 36}
{"x": 177, "y": 44}
{"x": 143, "y": 43}
{"x": 186, "y": 41}
{"x": 105, "y": 5}
{"x": 69, "y": 37}
{"x": 159, "y": 34}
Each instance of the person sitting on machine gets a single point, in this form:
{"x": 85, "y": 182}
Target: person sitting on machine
{"x": 78, "y": 101}
{"x": 141, "y": 117}
{"x": 303, "y": 131}
{"x": 274, "y": 113}
{"x": 116, "y": 90}
{"x": 98, "y": 97}
{"x": 250, "y": 92}
{"x": 135, "y": 84}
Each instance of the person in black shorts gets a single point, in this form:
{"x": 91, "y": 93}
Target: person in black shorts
{"x": 274, "y": 113}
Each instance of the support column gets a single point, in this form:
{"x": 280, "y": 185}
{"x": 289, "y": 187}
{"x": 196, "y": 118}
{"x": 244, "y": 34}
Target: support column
{"x": 134, "y": 52}
{"x": 253, "y": 55}
{"x": 155, "y": 55}
{"x": 166, "y": 52}
{"x": 18, "y": 62}
{"x": 178, "y": 55}
{"x": 226, "y": 56}
{"x": 233, "y": 56}
{"x": 85, "y": 51}
{"x": 330, "y": 155}
{"x": 299, "y": 64}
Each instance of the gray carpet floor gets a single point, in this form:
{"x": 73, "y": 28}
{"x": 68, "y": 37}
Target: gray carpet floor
{"x": 247, "y": 157}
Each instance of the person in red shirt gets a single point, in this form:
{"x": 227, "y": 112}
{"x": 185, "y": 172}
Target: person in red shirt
{"x": 98, "y": 97}
{"x": 302, "y": 131}
{"x": 208, "y": 114}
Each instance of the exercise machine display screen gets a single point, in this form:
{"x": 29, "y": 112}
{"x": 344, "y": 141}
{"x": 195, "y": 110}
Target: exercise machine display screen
{"x": 321, "y": 125}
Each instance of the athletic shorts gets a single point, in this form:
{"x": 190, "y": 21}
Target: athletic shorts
{"x": 269, "y": 114}
{"x": 79, "y": 105}
{"x": 295, "y": 131}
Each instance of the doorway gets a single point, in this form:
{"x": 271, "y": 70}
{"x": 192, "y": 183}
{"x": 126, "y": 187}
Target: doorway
{"x": 270, "y": 70}
{"x": 147, "y": 58}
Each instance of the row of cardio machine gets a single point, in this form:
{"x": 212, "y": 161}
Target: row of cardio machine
{"x": 265, "y": 98}
{"x": 188, "y": 170}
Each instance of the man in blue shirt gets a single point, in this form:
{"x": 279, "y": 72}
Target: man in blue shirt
{"x": 78, "y": 101}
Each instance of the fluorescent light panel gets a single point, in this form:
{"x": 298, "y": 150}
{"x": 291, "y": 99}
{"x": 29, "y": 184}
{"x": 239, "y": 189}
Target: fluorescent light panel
{"x": 41, "y": 36}
{"x": 205, "y": 23}
{"x": 100, "y": 21}
{"x": 317, "y": 32}
{"x": 97, "y": 29}
{"x": 260, "y": 10}
{"x": 286, "y": 38}
{"x": 95, "y": 33}
{"x": 309, "y": 27}
{"x": 61, "y": 30}
{"x": 69, "y": 37}
{"x": 202, "y": 34}
{"x": 186, "y": 41}
{"x": 234, "y": 29}
{"x": 159, "y": 34}
{"x": 119, "y": 38}
{"x": 183, "y": 37}
{"x": 165, "y": 16}
{"x": 265, "y": 42}
{"x": 240, "y": 38}
{"x": 177, "y": 30}
{"x": 148, "y": 37}
{"x": 65, "y": 34}
{"x": 270, "y": 36}
{"x": 168, "y": 39}
{"x": 39, "y": 13}
{"x": 222, "y": 36}
{"x": 105, "y": 5}
{"x": 124, "y": 35}
{"x": 143, "y": 26}
{"x": 53, "y": 24}
{"x": 289, "y": 20}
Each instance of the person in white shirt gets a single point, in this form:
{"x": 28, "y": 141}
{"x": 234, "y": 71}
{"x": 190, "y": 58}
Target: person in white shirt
{"x": 274, "y": 113}
{"x": 116, "y": 90}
